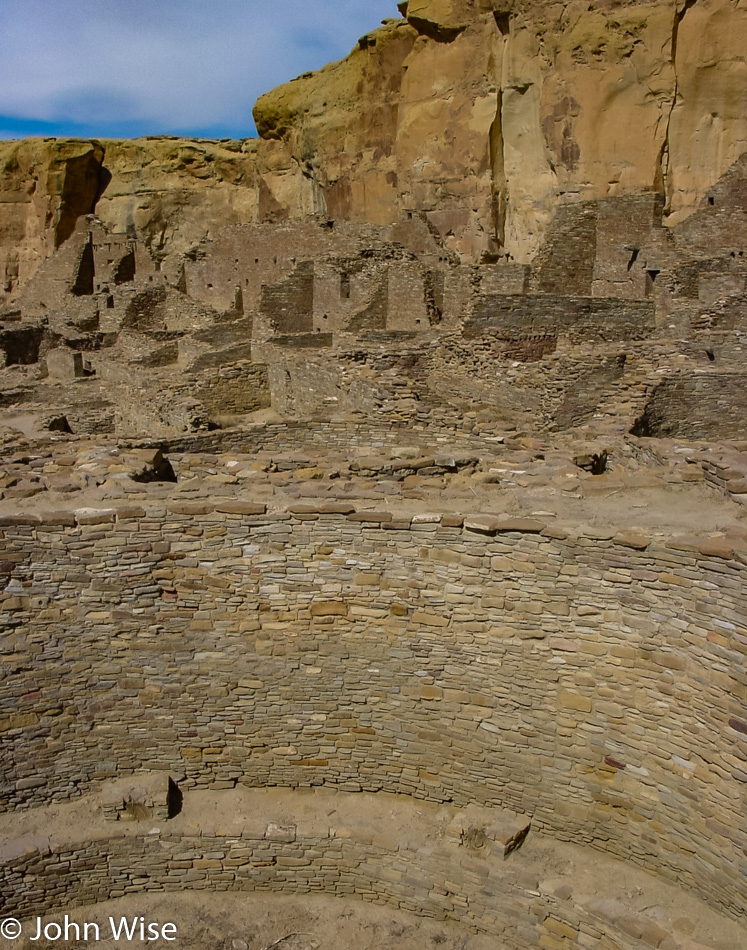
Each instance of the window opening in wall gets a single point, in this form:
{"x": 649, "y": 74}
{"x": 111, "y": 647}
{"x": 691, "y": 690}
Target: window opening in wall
{"x": 651, "y": 276}
{"x": 59, "y": 424}
{"x": 633, "y": 256}
{"x": 110, "y": 302}
{"x": 503, "y": 22}
{"x": 345, "y": 286}
{"x": 174, "y": 799}
{"x": 711, "y": 200}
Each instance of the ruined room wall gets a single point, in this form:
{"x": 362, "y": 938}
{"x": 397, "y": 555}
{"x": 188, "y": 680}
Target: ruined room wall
{"x": 699, "y": 406}
{"x": 581, "y": 319}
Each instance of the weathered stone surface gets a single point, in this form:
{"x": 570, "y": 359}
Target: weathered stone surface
{"x": 533, "y": 103}
{"x": 484, "y": 119}
{"x": 258, "y": 587}
{"x": 65, "y": 364}
{"x": 45, "y": 185}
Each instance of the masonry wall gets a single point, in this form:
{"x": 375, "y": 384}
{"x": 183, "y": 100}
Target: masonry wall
{"x": 625, "y": 225}
{"x": 252, "y": 256}
{"x": 596, "y": 683}
{"x": 288, "y": 306}
{"x": 583, "y": 318}
{"x": 447, "y": 882}
{"x": 565, "y": 264}
{"x": 236, "y": 388}
{"x": 698, "y": 406}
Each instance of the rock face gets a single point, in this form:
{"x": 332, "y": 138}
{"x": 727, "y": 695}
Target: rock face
{"x": 45, "y": 186}
{"x": 167, "y": 192}
{"x": 486, "y": 116}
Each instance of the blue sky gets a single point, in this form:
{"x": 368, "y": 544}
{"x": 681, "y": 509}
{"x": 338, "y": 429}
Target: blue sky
{"x": 121, "y": 68}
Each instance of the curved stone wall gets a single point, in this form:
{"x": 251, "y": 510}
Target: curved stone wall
{"x": 594, "y": 682}
{"x": 431, "y": 860}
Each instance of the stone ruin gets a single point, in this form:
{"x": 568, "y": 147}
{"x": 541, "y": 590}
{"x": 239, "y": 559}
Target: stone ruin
{"x": 356, "y": 508}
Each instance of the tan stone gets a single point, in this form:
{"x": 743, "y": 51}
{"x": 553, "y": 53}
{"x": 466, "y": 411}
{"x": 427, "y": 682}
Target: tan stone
{"x": 331, "y": 608}
{"x": 574, "y": 701}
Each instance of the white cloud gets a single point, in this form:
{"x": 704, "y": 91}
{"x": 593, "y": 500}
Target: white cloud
{"x": 174, "y": 65}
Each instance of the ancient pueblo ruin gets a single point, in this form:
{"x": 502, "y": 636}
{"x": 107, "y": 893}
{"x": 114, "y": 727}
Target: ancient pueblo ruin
{"x": 372, "y": 492}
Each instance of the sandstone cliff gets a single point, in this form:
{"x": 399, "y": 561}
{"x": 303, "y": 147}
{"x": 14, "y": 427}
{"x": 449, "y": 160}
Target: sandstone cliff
{"x": 483, "y": 115}
{"x": 487, "y": 113}
{"x": 168, "y": 192}
{"x": 44, "y": 188}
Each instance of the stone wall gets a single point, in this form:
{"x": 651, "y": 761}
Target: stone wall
{"x": 595, "y": 682}
{"x": 235, "y": 389}
{"x": 582, "y": 318}
{"x": 433, "y": 861}
{"x": 296, "y": 436}
{"x": 428, "y": 885}
{"x": 565, "y": 265}
{"x": 288, "y": 306}
{"x": 698, "y": 406}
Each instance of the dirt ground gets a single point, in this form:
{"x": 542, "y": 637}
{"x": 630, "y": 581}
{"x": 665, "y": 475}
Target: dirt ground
{"x": 254, "y": 921}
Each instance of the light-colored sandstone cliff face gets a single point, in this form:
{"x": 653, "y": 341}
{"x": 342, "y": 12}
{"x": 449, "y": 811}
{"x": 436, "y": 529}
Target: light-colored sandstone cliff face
{"x": 170, "y": 193}
{"x": 484, "y": 115}
{"x": 708, "y": 126}
{"x": 45, "y": 185}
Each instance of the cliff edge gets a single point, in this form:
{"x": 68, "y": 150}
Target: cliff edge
{"x": 484, "y": 116}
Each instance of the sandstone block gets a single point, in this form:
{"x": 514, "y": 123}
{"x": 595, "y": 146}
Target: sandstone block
{"x": 716, "y": 547}
{"x": 65, "y": 364}
{"x": 574, "y": 701}
{"x": 630, "y": 539}
{"x": 430, "y": 619}
{"x": 330, "y": 608}
{"x": 240, "y": 508}
{"x": 282, "y": 832}
{"x": 371, "y": 517}
{"x": 431, "y": 692}
{"x": 86, "y": 516}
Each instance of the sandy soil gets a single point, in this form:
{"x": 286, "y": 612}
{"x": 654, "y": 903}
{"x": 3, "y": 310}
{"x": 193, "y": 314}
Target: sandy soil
{"x": 224, "y": 921}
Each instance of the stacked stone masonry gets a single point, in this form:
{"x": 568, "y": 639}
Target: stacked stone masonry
{"x": 435, "y": 861}
{"x": 594, "y": 682}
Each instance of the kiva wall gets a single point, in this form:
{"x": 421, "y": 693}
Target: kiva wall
{"x": 380, "y": 848}
{"x": 595, "y": 682}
